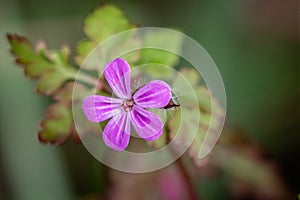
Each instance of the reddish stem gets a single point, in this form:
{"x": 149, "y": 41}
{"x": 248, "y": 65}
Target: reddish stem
{"x": 189, "y": 183}
{"x": 185, "y": 175}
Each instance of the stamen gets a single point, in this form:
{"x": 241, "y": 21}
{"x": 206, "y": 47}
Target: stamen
{"x": 128, "y": 105}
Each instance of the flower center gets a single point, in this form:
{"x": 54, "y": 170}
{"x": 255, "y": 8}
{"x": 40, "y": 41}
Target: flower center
{"x": 128, "y": 105}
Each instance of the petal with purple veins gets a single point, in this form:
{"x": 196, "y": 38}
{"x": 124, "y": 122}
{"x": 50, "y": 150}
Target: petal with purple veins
{"x": 155, "y": 94}
{"x": 117, "y": 74}
{"x": 99, "y": 108}
{"x": 116, "y": 133}
{"x": 146, "y": 124}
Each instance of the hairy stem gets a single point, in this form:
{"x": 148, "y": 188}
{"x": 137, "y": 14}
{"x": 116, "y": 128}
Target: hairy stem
{"x": 87, "y": 79}
{"x": 185, "y": 174}
{"x": 90, "y": 80}
{"x": 189, "y": 183}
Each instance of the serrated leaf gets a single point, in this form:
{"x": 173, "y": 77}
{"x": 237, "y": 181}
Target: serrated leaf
{"x": 108, "y": 21}
{"x": 101, "y": 24}
{"x": 50, "y": 82}
{"x": 129, "y": 43}
{"x": 84, "y": 47}
{"x": 185, "y": 117}
{"x": 57, "y": 125}
{"x": 104, "y": 22}
{"x": 50, "y": 67}
{"x": 64, "y": 94}
{"x": 33, "y": 62}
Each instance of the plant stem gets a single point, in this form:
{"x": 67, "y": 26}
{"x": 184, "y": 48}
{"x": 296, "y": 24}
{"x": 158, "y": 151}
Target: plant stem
{"x": 87, "y": 79}
{"x": 189, "y": 184}
{"x": 184, "y": 173}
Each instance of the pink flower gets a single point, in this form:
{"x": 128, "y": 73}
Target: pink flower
{"x": 128, "y": 108}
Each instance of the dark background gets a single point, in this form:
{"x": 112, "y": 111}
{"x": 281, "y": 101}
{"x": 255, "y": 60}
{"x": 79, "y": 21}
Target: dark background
{"x": 254, "y": 43}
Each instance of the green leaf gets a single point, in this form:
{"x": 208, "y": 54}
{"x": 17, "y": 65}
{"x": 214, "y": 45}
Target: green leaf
{"x": 166, "y": 42}
{"x": 33, "y": 62}
{"x": 57, "y": 125}
{"x": 162, "y": 55}
{"x": 52, "y": 68}
{"x": 104, "y": 22}
{"x": 50, "y": 82}
{"x": 185, "y": 118}
{"x": 101, "y": 24}
{"x": 64, "y": 94}
{"x": 108, "y": 21}
{"x": 84, "y": 47}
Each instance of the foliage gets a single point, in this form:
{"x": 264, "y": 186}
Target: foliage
{"x": 101, "y": 24}
{"x": 56, "y": 70}
{"x": 56, "y": 74}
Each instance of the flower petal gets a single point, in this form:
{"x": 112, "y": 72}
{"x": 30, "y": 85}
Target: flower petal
{"x": 147, "y": 125}
{"x": 99, "y": 108}
{"x": 117, "y": 74}
{"x": 155, "y": 94}
{"x": 116, "y": 133}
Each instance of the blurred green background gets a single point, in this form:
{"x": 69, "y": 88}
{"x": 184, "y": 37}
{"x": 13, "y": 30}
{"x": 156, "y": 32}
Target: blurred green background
{"x": 254, "y": 43}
